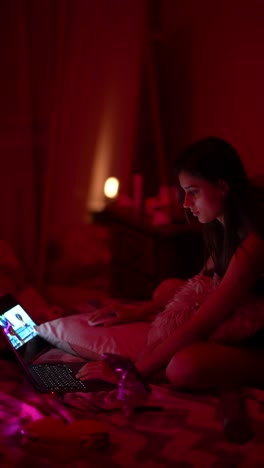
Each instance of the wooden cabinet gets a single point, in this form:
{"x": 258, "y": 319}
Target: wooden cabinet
{"x": 143, "y": 255}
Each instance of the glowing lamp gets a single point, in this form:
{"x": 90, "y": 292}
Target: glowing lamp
{"x": 111, "y": 187}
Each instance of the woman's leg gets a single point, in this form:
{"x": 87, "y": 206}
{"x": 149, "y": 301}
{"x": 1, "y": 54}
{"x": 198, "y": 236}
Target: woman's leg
{"x": 210, "y": 366}
{"x": 224, "y": 369}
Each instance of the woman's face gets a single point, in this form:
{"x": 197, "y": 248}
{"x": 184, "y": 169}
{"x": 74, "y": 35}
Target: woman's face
{"x": 205, "y": 199}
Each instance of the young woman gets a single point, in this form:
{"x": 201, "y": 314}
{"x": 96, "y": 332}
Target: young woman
{"x": 207, "y": 333}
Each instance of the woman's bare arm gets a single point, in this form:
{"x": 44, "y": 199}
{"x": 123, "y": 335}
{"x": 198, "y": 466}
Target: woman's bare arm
{"x": 245, "y": 267}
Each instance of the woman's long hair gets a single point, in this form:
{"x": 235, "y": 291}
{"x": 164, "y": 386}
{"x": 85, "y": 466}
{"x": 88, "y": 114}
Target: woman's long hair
{"x": 214, "y": 160}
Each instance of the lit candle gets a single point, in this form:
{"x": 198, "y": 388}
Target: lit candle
{"x": 111, "y": 187}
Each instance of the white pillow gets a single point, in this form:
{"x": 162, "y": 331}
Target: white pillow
{"x": 73, "y": 335}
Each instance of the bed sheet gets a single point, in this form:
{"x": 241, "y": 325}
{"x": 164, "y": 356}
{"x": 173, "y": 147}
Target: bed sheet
{"x": 187, "y": 433}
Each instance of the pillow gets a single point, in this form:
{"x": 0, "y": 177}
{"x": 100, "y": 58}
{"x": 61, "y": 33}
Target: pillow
{"x": 246, "y": 320}
{"x": 73, "y": 335}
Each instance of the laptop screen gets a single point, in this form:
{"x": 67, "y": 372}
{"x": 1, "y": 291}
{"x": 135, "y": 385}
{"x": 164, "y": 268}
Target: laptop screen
{"x": 19, "y": 329}
{"x": 18, "y": 326}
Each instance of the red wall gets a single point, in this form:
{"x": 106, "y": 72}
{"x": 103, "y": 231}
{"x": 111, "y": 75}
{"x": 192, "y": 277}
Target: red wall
{"x": 222, "y": 63}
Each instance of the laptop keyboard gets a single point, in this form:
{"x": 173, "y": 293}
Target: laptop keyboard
{"x": 56, "y": 377}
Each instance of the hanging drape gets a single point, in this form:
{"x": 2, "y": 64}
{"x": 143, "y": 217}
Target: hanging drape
{"x": 70, "y": 77}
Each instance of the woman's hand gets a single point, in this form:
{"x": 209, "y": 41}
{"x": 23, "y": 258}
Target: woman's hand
{"x": 114, "y": 314}
{"x": 97, "y": 370}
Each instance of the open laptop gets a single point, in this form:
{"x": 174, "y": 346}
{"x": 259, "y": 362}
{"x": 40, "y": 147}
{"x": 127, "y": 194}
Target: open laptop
{"x": 18, "y": 329}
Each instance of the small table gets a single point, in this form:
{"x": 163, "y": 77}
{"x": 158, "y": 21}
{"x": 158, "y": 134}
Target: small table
{"x": 143, "y": 255}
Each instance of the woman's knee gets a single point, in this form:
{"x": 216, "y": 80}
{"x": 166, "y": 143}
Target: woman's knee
{"x": 182, "y": 370}
{"x": 168, "y": 287}
{"x": 179, "y": 371}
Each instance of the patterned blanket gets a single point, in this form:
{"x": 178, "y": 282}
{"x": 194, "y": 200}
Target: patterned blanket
{"x": 186, "y": 432}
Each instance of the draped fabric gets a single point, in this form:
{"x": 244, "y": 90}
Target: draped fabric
{"x": 69, "y": 91}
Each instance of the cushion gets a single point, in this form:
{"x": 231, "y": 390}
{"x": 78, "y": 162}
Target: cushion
{"x": 73, "y": 335}
{"x": 246, "y": 320}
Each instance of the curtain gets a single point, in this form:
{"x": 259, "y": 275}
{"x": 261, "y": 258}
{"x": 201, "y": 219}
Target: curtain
{"x": 70, "y": 84}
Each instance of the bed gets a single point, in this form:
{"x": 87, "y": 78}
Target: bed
{"x": 184, "y": 431}
{"x": 188, "y": 432}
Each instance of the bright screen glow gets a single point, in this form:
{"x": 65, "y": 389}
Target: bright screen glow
{"x": 18, "y": 326}
{"x": 111, "y": 187}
